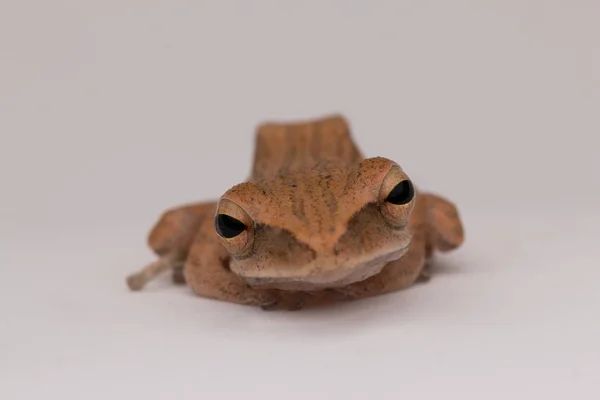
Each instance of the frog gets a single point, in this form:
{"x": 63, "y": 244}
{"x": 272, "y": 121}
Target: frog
{"x": 316, "y": 222}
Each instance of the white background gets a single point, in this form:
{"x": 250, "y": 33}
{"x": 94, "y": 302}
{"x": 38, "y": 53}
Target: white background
{"x": 112, "y": 111}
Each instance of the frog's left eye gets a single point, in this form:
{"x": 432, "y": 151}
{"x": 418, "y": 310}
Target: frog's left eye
{"x": 234, "y": 227}
{"x": 402, "y": 193}
{"x": 396, "y": 196}
{"x": 228, "y": 227}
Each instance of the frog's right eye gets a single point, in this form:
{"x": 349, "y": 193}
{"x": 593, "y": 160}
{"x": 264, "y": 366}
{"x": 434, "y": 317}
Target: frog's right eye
{"x": 228, "y": 227}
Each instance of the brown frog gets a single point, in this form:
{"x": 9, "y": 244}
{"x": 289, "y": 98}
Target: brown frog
{"x": 316, "y": 222}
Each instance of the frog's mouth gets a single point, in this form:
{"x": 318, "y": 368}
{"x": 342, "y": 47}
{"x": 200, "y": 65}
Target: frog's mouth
{"x": 315, "y": 276}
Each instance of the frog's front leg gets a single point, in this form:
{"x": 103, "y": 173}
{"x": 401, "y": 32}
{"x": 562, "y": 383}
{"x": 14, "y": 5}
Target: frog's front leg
{"x": 395, "y": 276}
{"x": 437, "y": 227}
{"x": 405, "y": 271}
{"x": 171, "y": 238}
{"x": 186, "y": 244}
{"x": 207, "y": 272}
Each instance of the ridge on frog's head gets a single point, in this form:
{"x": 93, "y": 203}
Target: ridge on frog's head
{"x": 317, "y": 226}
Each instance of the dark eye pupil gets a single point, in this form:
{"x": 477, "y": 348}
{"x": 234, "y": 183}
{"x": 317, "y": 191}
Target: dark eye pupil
{"x": 228, "y": 227}
{"x": 401, "y": 194}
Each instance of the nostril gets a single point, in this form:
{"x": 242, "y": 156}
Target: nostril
{"x": 225, "y": 263}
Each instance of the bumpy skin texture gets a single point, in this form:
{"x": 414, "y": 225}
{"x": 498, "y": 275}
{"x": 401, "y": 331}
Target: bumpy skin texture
{"x": 318, "y": 227}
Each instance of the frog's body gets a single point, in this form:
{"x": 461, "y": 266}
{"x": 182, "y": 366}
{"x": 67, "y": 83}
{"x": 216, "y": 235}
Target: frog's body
{"x": 315, "y": 222}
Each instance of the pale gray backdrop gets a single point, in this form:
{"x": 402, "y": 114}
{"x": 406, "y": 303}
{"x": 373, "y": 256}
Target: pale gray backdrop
{"x": 111, "y": 111}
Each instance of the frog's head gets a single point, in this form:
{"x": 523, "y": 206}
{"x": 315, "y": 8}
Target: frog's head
{"x": 321, "y": 227}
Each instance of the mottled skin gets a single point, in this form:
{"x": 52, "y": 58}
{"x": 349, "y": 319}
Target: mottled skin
{"x": 318, "y": 227}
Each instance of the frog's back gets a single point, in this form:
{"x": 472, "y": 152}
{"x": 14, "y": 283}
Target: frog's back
{"x": 291, "y": 146}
